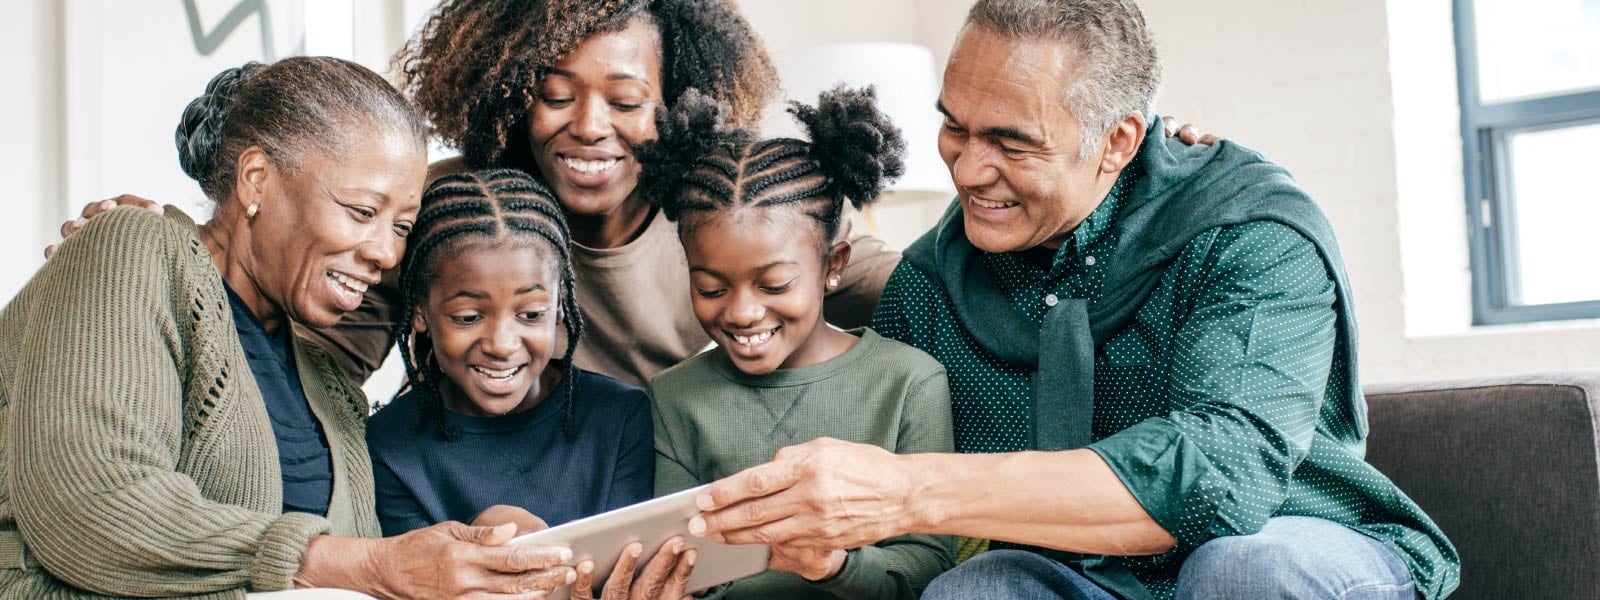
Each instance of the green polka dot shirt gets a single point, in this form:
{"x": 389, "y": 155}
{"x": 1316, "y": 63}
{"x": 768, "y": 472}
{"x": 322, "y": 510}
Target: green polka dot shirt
{"x": 1208, "y": 405}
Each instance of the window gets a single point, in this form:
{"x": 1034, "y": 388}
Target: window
{"x": 1530, "y": 123}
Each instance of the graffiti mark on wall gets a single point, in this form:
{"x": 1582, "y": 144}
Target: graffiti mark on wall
{"x": 207, "y": 42}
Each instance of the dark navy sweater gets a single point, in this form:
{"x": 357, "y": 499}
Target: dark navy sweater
{"x": 522, "y": 459}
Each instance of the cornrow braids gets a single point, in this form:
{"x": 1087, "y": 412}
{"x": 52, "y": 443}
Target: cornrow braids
{"x": 474, "y": 67}
{"x": 701, "y": 164}
{"x": 488, "y": 205}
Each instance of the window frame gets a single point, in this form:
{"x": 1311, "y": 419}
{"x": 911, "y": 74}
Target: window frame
{"x": 1491, "y": 210}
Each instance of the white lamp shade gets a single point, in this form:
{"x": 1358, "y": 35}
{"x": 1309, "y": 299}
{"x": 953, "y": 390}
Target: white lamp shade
{"x": 906, "y": 86}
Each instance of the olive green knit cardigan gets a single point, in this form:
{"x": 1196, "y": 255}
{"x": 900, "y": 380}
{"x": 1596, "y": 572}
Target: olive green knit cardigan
{"x": 138, "y": 458}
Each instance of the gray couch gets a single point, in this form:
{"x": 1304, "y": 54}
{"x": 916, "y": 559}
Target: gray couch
{"x": 1507, "y": 467}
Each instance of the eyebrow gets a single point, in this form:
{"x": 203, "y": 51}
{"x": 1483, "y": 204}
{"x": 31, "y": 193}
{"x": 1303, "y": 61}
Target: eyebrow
{"x": 695, "y": 269}
{"x": 476, "y": 295}
{"x": 611, "y": 77}
{"x": 1010, "y": 133}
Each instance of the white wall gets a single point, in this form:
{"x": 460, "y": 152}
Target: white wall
{"x": 30, "y": 146}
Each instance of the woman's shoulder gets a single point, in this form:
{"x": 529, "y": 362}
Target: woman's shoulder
{"x": 132, "y": 233}
{"x": 599, "y": 389}
{"x": 397, "y": 419}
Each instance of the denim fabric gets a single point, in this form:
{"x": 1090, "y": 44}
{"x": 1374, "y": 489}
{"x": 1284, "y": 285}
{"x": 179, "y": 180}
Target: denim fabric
{"x": 1290, "y": 558}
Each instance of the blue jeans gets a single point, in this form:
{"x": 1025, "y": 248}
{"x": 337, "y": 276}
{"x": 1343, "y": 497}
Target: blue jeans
{"x": 1292, "y": 557}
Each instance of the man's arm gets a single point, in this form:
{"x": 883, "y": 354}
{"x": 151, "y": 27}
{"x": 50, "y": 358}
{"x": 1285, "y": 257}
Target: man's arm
{"x": 1249, "y": 369}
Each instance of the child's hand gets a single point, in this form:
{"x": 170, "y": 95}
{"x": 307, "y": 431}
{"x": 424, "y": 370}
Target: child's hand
{"x": 815, "y": 565}
{"x": 503, "y": 513}
{"x": 664, "y": 578}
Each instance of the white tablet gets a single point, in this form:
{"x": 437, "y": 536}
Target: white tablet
{"x": 600, "y": 538}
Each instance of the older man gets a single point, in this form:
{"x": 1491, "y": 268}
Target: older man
{"x": 1151, "y": 351}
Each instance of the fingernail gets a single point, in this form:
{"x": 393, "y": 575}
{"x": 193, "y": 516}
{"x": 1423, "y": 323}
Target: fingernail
{"x": 108, "y": 204}
{"x": 160, "y": 210}
{"x": 566, "y": 555}
{"x": 585, "y": 567}
{"x": 677, "y": 548}
{"x": 78, "y": 222}
{"x": 635, "y": 550}
{"x": 571, "y": 577}
{"x": 704, "y": 502}
{"x": 691, "y": 558}
{"x": 504, "y": 528}
{"x": 697, "y": 526}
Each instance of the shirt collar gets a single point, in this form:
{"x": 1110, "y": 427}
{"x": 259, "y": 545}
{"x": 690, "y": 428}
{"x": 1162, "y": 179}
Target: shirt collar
{"x": 1094, "y": 228}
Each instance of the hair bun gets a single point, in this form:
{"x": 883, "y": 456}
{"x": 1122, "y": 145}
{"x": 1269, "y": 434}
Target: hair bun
{"x": 199, "y": 134}
{"x": 688, "y": 131}
{"x": 857, "y": 145}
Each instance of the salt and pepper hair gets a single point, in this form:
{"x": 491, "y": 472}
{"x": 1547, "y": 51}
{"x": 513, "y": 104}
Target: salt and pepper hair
{"x": 1118, "y": 70}
{"x": 702, "y": 164}
{"x": 288, "y": 108}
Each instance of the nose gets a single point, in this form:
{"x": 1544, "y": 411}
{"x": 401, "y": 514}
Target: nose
{"x": 499, "y": 341}
{"x": 973, "y": 167}
{"x": 592, "y": 122}
{"x": 745, "y": 311}
{"x": 382, "y": 250}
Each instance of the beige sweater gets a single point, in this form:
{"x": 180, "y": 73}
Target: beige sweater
{"x": 138, "y": 458}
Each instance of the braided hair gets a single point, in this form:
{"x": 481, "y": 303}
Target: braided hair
{"x": 701, "y": 164}
{"x": 489, "y": 205}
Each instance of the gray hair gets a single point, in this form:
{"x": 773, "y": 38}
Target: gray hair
{"x": 1119, "y": 71}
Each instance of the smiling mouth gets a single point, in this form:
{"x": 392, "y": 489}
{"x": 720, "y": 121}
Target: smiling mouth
{"x": 350, "y": 283}
{"x": 751, "y": 342}
{"x": 590, "y": 167}
{"x": 990, "y": 204}
{"x": 499, "y": 375}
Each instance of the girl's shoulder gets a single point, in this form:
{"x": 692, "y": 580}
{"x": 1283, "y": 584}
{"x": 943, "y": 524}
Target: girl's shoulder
{"x": 599, "y": 389}
{"x": 893, "y": 357}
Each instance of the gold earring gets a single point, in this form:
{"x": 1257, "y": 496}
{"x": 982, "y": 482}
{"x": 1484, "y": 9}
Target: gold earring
{"x": 250, "y": 213}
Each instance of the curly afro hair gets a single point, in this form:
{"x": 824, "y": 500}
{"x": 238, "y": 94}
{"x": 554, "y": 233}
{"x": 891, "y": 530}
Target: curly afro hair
{"x": 475, "y": 66}
{"x": 701, "y": 164}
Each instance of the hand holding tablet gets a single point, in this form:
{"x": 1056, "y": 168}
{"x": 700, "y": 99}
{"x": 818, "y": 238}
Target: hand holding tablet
{"x": 651, "y": 524}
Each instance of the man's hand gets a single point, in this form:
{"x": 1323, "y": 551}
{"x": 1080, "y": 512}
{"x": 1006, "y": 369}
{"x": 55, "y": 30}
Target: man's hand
{"x": 94, "y": 208}
{"x": 810, "y": 563}
{"x": 823, "y": 494}
{"x": 1186, "y": 132}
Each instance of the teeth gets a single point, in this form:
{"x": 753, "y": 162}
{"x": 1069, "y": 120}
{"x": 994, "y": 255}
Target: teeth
{"x": 753, "y": 340}
{"x": 360, "y": 287}
{"x": 988, "y": 204}
{"x": 498, "y": 373}
{"x": 589, "y": 167}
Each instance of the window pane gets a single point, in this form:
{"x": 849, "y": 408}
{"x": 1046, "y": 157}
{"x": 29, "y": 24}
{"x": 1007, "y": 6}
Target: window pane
{"x": 1532, "y": 48}
{"x": 1556, "y": 215}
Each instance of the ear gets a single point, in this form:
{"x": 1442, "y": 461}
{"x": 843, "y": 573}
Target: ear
{"x": 1122, "y": 143}
{"x": 838, "y": 257}
{"x": 251, "y": 174}
{"x": 418, "y": 323}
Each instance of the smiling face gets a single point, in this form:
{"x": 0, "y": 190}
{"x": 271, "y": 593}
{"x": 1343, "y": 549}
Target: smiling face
{"x": 758, "y": 279}
{"x": 327, "y": 231}
{"x": 1012, "y": 144}
{"x": 592, "y": 109}
{"x": 491, "y": 312}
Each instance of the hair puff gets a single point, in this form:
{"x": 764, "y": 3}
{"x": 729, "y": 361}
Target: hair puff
{"x": 854, "y": 143}
{"x": 688, "y": 131}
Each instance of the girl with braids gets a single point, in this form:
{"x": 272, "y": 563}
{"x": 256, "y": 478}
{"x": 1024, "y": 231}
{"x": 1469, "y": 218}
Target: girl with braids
{"x": 758, "y": 223}
{"x": 492, "y": 410}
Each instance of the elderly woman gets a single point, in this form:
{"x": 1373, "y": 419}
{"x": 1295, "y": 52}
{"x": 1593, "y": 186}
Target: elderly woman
{"x": 164, "y": 433}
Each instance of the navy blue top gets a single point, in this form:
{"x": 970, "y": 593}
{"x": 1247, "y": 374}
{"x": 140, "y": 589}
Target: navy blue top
{"x": 302, "y": 448}
{"x": 522, "y": 459}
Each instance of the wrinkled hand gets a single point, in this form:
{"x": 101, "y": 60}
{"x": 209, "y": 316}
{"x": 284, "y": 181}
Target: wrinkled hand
{"x": 665, "y": 577}
{"x": 810, "y": 563}
{"x": 823, "y": 494}
{"x": 94, "y": 208}
{"x": 1186, "y": 132}
{"x": 501, "y": 514}
{"x": 452, "y": 560}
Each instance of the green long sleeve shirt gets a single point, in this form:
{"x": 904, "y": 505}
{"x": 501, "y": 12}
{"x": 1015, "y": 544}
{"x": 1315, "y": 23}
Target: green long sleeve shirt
{"x": 1221, "y": 403}
{"x": 712, "y": 421}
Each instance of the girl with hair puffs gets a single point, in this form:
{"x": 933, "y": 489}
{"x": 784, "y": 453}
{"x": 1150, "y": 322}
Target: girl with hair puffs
{"x": 496, "y": 425}
{"x": 758, "y": 221}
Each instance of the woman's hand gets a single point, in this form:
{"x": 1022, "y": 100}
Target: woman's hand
{"x": 810, "y": 563}
{"x": 501, "y": 514}
{"x": 94, "y": 208}
{"x": 665, "y": 577}
{"x": 448, "y": 560}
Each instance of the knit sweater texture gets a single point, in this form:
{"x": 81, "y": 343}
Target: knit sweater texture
{"x": 136, "y": 454}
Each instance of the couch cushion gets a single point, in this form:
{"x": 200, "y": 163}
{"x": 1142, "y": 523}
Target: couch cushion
{"x": 1508, "y": 470}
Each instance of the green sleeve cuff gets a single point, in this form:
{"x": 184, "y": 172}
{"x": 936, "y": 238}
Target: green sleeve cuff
{"x": 1168, "y": 476}
{"x": 861, "y": 576}
{"x": 282, "y": 546}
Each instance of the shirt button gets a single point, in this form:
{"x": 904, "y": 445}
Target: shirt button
{"x": 1089, "y": 260}
{"x": 1051, "y": 300}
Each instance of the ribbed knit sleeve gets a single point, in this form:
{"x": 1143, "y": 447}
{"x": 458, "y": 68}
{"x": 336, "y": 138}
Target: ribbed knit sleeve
{"x": 96, "y": 426}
